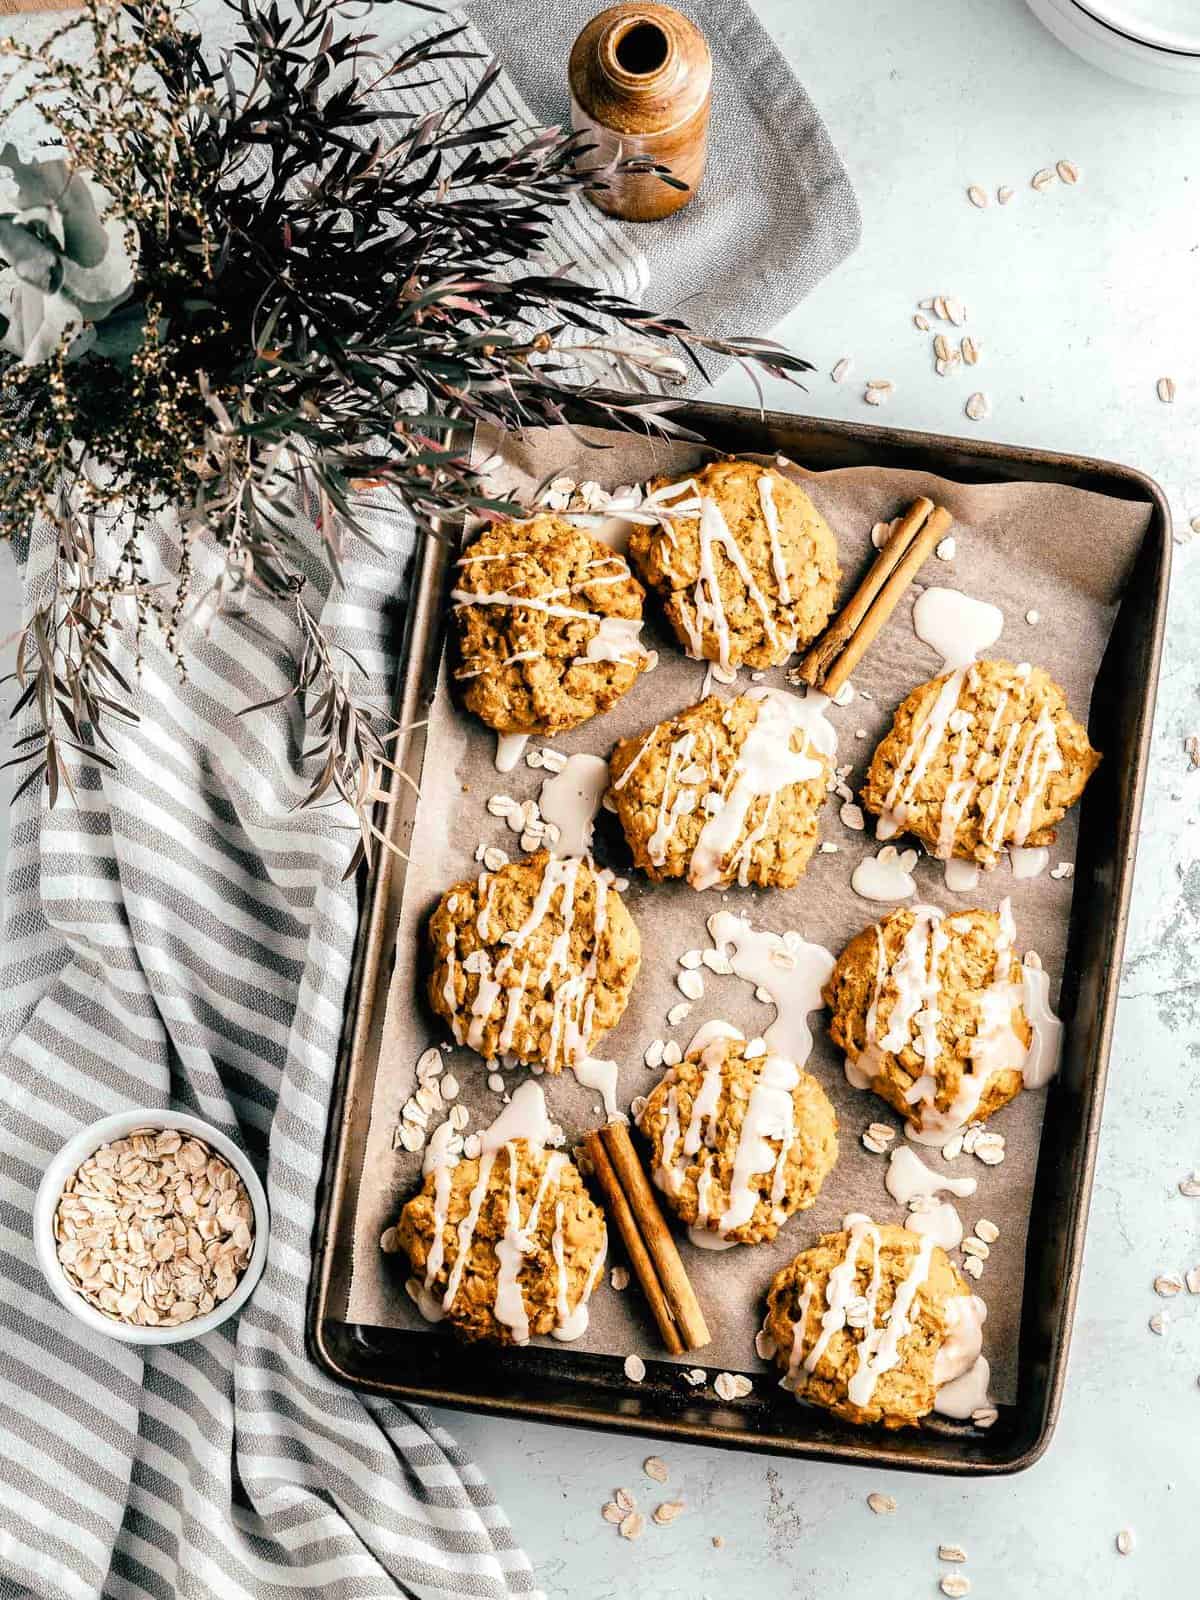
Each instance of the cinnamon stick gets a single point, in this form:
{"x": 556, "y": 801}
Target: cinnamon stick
{"x": 842, "y": 646}
{"x": 922, "y": 546}
{"x": 639, "y": 1257}
{"x": 833, "y": 641}
{"x": 658, "y": 1238}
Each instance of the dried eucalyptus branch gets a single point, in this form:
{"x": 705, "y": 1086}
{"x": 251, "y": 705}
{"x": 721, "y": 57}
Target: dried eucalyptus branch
{"x": 234, "y": 291}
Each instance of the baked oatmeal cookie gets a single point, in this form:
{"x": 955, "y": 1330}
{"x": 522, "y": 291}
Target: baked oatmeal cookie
{"x": 738, "y": 1144}
{"x": 548, "y": 620}
{"x": 726, "y": 791}
{"x": 505, "y": 1246}
{"x": 979, "y": 760}
{"x": 744, "y": 564}
{"x": 870, "y": 1322}
{"x": 535, "y": 961}
{"x": 929, "y": 1010}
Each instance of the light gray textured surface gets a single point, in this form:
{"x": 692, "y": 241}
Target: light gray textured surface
{"x": 1082, "y": 298}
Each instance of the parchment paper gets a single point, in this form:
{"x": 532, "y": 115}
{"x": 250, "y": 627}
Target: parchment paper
{"x": 1061, "y": 552}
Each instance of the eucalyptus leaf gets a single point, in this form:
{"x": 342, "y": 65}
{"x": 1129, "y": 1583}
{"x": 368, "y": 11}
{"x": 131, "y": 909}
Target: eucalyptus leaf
{"x": 33, "y": 260}
{"x": 117, "y": 337}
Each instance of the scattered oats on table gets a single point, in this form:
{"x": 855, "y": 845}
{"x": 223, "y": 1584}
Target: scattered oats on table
{"x": 951, "y": 1552}
{"x": 977, "y": 196}
{"x": 955, "y": 1585}
{"x": 1004, "y": 194}
{"x": 1168, "y": 1284}
{"x": 977, "y": 407}
{"x": 881, "y": 1504}
{"x": 842, "y": 369}
{"x": 655, "y": 1467}
{"x": 1165, "y": 388}
{"x": 1159, "y": 1322}
{"x": 668, "y": 1511}
{"x": 635, "y": 1369}
{"x": 1042, "y": 179}
{"x": 1125, "y": 1541}
{"x": 633, "y": 1526}
{"x": 1067, "y": 171}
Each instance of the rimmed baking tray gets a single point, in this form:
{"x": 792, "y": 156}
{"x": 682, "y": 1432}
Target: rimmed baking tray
{"x": 555, "y": 1385}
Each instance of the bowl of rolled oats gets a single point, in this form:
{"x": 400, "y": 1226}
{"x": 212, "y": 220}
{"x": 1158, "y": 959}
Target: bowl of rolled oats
{"x": 151, "y": 1227}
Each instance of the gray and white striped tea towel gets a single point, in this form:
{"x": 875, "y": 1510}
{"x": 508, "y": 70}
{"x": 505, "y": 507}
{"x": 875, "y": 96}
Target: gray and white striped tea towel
{"x": 182, "y": 937}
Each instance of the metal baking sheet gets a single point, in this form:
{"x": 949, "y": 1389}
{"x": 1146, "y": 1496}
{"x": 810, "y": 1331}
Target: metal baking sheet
{"x": 575, "y": 1386}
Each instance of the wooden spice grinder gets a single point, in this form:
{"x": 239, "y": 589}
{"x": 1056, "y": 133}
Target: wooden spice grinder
{"x": 641, "y": 83}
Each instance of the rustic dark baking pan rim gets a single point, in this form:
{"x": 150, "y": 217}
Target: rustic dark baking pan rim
{"x": 578, "y": 1389}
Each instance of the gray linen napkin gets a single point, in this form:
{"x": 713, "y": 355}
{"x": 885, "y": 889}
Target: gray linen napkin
{"x": 775, "y": 212}
{"x": 183, "y": 937}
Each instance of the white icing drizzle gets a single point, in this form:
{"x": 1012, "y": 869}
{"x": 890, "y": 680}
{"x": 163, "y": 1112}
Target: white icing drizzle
{"x": 792, "y": 971}
{"x": 959, "y": 629}
{"x": 770, "y": 1115}
{"x": 595, "y": 1073}
{"x": 570, "y": 800}
{"x": 960, "y": 1371}
{"x": 573, "y": 997}
{"x": 765, "y": 1137}
{"x": 678, "y": 758}
{"x": 524, "y": 1123}
{"x": 466, "y": 598}
{"x": 708, "y": 607}
{"x": 1045, "y": 1053}
{"x": 940, "y": 1223}
{"x": 510, "y": 747}
{"x": 961, "y": 876}
{"x": 1028, "y": 861}
{"x": 913, "y": 1020}
{"x": 908, "y": 1176}
{"x": 515, "y": 1244}
{"x": 766, "y": 499}
{"x": 956, "y": 626}
{"x": 878, "y": 1350}
{"x": 703, "y": 1239}
{"x": 616, "y": 638}
{"x": 791, "y": 1377}
{"x": 645, "y": 745}
{"x": 765, "y": 765}
{"x": 886, "y": 876}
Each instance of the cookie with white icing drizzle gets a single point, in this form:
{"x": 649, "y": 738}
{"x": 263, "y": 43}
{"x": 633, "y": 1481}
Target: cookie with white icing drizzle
{"x": 737, "y": 1144}
{"x": 508, "y": 1245}
{"x": 742, "y": 561}
{"x": 870, "y": 1322}
{"x": 727, "y": 791}
{"x": 535, "y": 961}
{"x": 930, "y": 1012}
{"x": 548, "y": 621}
{"x": 979, "y": 760}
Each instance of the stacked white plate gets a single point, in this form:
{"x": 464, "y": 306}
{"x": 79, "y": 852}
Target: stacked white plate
{"x": 1155, "y": 43}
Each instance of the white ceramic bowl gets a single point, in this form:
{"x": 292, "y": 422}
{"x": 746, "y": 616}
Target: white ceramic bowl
{"x": 1142, "y": 56}
{"x": 73, "y": 1154}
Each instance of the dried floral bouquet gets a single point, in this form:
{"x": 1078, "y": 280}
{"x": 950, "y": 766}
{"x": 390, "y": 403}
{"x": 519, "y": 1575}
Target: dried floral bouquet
{"x": 229, "y": 297}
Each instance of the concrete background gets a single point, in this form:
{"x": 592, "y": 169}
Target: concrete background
{"x": 1082, "y": 297}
